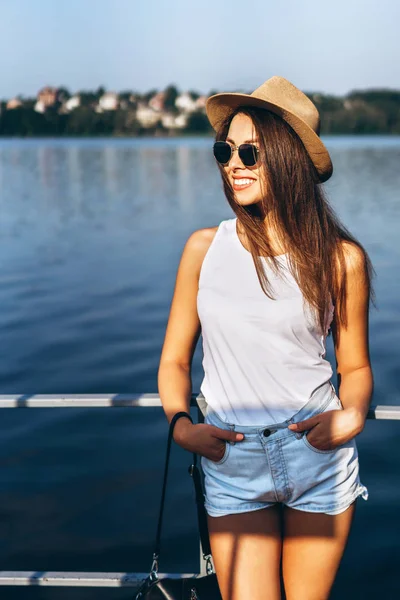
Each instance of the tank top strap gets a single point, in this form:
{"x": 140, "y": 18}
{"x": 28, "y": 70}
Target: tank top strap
{"x": 226, "y": 231}
{"x": 225, "y": 236}
{"x": 230, "y": 226}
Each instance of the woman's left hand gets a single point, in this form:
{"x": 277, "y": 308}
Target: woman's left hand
{"x": 330, "y": 429}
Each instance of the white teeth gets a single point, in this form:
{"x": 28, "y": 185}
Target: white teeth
{"x": 243, "y": 181}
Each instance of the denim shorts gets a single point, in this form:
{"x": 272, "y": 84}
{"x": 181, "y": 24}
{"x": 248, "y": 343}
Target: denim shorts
{"x": 275, "y": 464}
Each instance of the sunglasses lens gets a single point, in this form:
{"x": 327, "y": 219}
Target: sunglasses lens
{"x": 222, "y": 152}
{"x": 248, "y": 154}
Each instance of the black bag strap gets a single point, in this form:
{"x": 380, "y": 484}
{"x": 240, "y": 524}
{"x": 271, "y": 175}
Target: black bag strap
{"x": 201, "y": 511}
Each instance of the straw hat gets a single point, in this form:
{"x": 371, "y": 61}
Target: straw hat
{"x": 281, "y": 97}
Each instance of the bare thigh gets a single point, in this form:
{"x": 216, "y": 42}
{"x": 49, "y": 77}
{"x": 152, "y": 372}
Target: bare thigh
{"x": 246, "y": 550}
{"x": 313, "y": 547}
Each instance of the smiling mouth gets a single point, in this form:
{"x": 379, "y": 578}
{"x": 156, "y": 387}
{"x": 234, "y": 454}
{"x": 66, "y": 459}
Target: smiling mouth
{"x": 241, "y": 184}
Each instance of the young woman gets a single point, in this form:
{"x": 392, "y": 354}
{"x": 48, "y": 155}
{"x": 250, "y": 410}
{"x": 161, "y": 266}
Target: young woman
{"x": 265, "y": 289}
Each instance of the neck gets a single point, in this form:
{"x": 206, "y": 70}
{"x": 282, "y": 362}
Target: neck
{"x": 275, "y": 241}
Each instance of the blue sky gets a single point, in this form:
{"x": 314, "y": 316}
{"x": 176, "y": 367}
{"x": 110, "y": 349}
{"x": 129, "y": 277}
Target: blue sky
{"x": 332, "y": 47}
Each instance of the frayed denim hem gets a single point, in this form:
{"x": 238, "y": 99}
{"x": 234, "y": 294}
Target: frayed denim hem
{"x": 335, "y": 509}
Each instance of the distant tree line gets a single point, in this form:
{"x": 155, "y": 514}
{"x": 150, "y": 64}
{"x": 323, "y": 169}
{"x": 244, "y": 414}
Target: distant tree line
{"x": 24, "y": 121}
{"x": 360, "y": 112}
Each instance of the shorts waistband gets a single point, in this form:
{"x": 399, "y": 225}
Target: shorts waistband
{"x": 320, "y": 399}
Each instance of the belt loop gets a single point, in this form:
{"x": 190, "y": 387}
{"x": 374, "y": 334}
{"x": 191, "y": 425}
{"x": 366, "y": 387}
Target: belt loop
{"x": 298, "y": 434}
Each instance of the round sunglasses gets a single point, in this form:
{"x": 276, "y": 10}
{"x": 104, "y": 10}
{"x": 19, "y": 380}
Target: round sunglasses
{"x": 248, "y": 153}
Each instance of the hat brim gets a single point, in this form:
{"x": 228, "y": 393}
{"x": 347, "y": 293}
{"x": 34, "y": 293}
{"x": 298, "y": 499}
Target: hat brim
{"x": 221, "y": 106}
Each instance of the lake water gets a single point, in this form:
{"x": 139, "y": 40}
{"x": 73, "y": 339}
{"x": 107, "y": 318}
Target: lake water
{"x": 91, "y": 232}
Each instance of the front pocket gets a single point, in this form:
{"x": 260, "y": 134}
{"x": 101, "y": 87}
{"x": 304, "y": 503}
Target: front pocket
{"x": 333, "y": 404}
{"x": 225, "y": 456}
{"x": 313, "y": 448}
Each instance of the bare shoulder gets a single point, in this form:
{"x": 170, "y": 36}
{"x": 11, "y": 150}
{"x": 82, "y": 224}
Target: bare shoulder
{"x": 197, "y": 245}
{"x": 202, "y": 238}
{"x": 354, "y": 260}
{"x": 356, "y": 274}
{"x": 183, "y": 328}
{"x": 354, "y": 256}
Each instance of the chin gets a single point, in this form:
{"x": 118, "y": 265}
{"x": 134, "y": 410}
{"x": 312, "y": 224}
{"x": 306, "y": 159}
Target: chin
{"x": 240, "y": 199}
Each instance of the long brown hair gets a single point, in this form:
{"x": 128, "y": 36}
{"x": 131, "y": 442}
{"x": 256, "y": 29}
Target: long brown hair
{"x": 300, "y": 213}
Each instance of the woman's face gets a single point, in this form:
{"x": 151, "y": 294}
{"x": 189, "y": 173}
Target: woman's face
{"x": 245, "y": 181}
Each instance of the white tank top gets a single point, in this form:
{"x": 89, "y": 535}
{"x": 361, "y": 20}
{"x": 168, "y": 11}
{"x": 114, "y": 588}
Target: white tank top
{"x": 263, "y": 359}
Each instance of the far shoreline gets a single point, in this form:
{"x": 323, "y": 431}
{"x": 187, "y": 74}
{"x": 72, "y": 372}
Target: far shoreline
{"x": 181, "y": 136}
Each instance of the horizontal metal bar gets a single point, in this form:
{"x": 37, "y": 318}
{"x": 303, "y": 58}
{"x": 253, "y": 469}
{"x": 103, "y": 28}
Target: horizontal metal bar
{"x": 378, "y": 411}
{"x": 83, "y": 400}
{"x": 383, "y": 411}
{"x": 71, "y": 579}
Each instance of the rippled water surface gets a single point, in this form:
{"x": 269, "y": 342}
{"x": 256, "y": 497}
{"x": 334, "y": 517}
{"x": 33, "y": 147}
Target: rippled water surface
{"x": 91, "y": 233}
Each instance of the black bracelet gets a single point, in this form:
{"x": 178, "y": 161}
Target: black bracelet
{"x": 177, "y": 416}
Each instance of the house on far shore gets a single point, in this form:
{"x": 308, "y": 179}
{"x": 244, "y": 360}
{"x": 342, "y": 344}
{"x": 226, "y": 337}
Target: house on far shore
{"x": 186, "y": 103}
{"x": 157, "y": 102}
{"x": 171, "y": 121}
{"x": 201, "y": 103}
{"x": 72, "y": 103}
{"x": 47, "y": 97}
{"x": 108, "y": 101}
{"x": 13, "y": 103}
{"x": 147, "y": 116}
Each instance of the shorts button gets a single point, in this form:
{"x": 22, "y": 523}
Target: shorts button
{"x": 267, "y": 432}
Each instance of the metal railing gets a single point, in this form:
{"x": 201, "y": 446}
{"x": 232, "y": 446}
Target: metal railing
{"x": 133, "y": 580}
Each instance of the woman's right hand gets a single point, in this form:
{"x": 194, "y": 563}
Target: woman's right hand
{"x": 201, "y": 438}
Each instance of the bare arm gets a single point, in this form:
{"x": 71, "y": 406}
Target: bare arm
{"x": 183, "y": 329}
{"x": 355, "y": 378}
{"x": 182, "y": 334}
{"x": 333, "y": 427}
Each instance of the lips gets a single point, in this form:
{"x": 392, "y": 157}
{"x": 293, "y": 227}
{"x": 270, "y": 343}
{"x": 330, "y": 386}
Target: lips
{"x": 242, "y": 183}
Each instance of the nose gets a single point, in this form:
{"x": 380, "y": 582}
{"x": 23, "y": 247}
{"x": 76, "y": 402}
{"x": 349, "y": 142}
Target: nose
{"x": 235, "y": 161}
